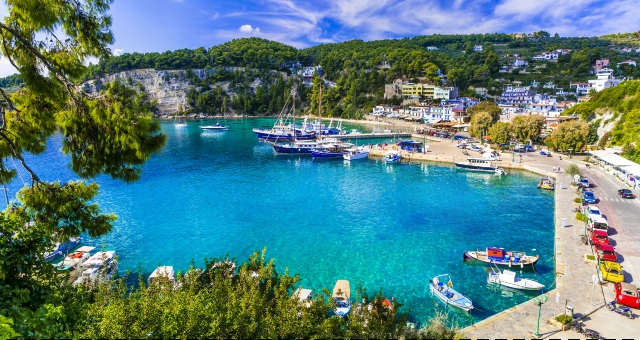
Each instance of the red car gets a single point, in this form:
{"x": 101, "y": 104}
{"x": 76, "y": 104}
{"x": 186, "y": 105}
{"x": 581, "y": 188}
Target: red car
{"x": 627, "y": 295}
{"x": 599, "y": 237}
{"x": 605, "y": 252}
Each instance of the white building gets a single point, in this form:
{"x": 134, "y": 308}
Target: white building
{"x": 477, "y": 48}
{"x": 432, "y": 48}
{"x": 604, "y": 81}
{"x": 627, "y": 62}
{"x": 519, "y": 62}
{"x": 581, "y": 88}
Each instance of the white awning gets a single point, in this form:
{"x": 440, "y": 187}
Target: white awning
{"x": 612, "y": 159}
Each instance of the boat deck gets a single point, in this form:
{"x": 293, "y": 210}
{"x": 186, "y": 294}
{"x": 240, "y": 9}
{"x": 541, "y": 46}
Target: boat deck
{"x": 372, "y": 135}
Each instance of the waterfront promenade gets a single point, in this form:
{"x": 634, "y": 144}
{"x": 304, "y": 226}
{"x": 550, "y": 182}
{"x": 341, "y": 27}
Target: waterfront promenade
{"x": 574, "y": 273}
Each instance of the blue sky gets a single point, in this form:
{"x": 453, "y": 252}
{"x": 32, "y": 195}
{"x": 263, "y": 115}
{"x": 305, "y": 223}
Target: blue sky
{"x": 161, "y": 25}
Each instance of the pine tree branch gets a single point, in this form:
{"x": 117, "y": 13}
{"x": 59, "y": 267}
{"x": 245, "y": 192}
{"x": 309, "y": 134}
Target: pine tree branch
{"x": 40, "y": 57}
{"x": 16, "y": 154}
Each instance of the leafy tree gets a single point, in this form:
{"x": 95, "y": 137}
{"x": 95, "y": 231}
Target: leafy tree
{"x": 527, "y": 128}
{"x": 479, "y": 124}
{"x": 486, "y": 106}
{"x": 431, "y": 72}
{"x": 570, "y": 136}
{"x": 500, "y": 132}
{"x": 112, "y": 133}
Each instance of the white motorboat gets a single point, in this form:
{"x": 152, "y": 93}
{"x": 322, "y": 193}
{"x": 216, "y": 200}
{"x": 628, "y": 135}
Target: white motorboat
{"x": 97, "y": 268}
{"x": 215, "y": 127}
{"x": 304, "y": 296}
{"x": 342, "y": 297}
{"x": 476, "y": 164}
{"x": 355, "y": 153}
{"x": 75, "y": 259}
{"x": 500, "y": 171}
{"x": 442, "y": 287}
{"x": 508, "y": 278}
{"x": 162, "y": 273}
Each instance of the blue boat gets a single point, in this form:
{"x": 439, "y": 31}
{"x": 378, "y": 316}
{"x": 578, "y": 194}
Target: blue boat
{"x": 331, "y": 151}
{"x": 286, "y": 132}
{"x": 302, "y": 147}
{"x": 442, "y": 287}
{"x": 62, "y": 248}
{"x": 501, "y": 257}
{"x": 392, "y": 157}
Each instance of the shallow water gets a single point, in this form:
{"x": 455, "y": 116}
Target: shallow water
{"x": 208, "y": 194}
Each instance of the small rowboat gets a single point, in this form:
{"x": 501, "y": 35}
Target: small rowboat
{"x": 508, "y": 279}
{"x": 442, "y": 287}
{"x": 501, "y": 257}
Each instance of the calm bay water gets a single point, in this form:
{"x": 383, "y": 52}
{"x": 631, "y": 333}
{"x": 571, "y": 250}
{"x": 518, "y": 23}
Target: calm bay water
{"x": 208, "y": 194}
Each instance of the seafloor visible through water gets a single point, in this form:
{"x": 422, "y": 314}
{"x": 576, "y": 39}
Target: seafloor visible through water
{"x": 209, "y": 194}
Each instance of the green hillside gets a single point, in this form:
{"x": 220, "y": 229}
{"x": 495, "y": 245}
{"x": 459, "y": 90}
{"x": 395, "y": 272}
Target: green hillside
{"x": 622, "y": 105}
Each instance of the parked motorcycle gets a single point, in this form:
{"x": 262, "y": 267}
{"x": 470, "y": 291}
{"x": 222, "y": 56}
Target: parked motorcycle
{"x": 578, "y": 327}
{"x": 624, "y": 311}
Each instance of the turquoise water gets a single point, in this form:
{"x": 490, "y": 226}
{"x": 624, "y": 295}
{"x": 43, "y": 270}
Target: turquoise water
{"x": 208, "y": 194}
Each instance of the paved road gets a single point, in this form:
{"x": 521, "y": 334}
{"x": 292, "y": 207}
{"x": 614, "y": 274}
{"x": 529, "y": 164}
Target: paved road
{"x": 624, "y": 216}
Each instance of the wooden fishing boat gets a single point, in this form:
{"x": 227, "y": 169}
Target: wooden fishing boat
{"x": 342, "y": 297}
{"x": 546, "y": 183}
{"x": 442, "y": 288}
{"x": 501, "y": 257}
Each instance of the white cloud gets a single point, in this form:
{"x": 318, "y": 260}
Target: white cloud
{"x": 117, "y": 51}
{"x": 6, "y": 69}
{"x": 304, "y": 22}
{"x": 249, "y": 29}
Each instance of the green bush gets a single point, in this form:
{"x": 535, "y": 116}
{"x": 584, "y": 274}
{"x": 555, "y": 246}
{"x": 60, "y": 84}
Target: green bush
{"x": 564, "y": 319}
{"x": 591, "y": 257}
{"x": 577, "y": 200}
{"x": 573, "y": 170}
{"x": 581, "y": 217}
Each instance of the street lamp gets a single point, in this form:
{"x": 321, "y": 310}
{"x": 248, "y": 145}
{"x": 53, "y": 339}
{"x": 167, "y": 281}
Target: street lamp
{"x": 539, "y": 301}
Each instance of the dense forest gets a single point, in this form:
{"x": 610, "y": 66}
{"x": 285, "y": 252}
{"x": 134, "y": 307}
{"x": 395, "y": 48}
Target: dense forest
{"x": 360, "y": 69}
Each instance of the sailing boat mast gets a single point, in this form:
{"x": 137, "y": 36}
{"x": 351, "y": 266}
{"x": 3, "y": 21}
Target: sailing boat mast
{"x": 293, "y": 97}
{"x": 320, "y": 114}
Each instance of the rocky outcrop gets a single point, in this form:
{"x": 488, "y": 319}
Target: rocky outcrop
{"x": 168, "y": 88}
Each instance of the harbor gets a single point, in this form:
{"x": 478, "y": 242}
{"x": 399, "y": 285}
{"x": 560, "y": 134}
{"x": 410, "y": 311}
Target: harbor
{"x": 438, "y": 154}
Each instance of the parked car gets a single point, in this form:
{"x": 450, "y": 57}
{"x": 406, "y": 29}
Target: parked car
{"x": 610, "y": 271}
{"x": 585, "y": 182}
{"x": 595, "y": 222}
{"x": 626, "y": 193}
{"x": 599, "y": 237}
{"x": 545, "y": 153}
{"x": 605, "y": 252}
{"x": 592, "y": 210}
{"x": 589, "y": 197}
{"x": 627, "y": 295}
{"x": 475, "y": 148}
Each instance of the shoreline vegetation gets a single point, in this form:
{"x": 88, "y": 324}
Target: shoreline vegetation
{"x": 253, "y": 302}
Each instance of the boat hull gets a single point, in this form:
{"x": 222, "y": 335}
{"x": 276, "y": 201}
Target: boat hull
{"x": 327, "y": 155}
{"x": 353, "y": 157}
{"x": 471, "y": 167}
{"x": 288, "y": 137}
{"x": 286, "y": 149}
{"x": 524, "y": 262}
{"x": 214, "y": 128}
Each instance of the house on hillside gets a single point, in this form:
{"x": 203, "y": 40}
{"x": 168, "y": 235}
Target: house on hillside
{"x": 604, "y": 81}
{"x": 581, "y": 88}
{"x": 477, "y": 48}
{"x": 519, "y": 62}
{"x": 626, "y": 50}
{"x": 432, "y": 48}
